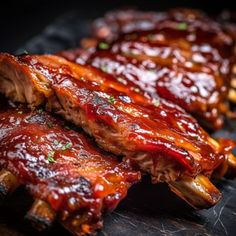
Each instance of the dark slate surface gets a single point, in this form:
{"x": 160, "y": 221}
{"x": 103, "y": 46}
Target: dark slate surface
{"x": 148, "y": 209}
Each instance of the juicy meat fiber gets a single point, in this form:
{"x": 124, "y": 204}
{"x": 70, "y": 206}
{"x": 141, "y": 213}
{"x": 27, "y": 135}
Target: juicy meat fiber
{"x": 182, "y": 56}
{"x": 62, "y": 167}
{"x": 158, "y": 135}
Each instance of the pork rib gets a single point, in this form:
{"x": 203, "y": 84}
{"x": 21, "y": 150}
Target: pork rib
{"x": 61, "y": 168}
{"x": 181, "y": 55}
{"x": 158, "y": 135}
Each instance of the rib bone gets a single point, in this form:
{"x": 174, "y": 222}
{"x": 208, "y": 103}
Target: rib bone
{"x": 199, "y": 192}
{"x": 41, "y": 215}
{"x": 8, "y": 183}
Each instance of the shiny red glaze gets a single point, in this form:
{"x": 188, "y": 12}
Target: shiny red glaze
{"x": 181, "y": 55}
{"x": 80, "y": 178}
{"x": 155, "y": 127}
{"x": 201, "y": 26}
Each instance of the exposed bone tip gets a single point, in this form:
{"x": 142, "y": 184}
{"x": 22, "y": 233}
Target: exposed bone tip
{"x": 8, "y": 183}
{"x": 199, "y": 192}
{"x": 41, "y": 215}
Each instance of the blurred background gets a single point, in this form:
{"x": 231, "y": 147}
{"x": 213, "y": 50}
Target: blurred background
{"x": 21, "y": 20}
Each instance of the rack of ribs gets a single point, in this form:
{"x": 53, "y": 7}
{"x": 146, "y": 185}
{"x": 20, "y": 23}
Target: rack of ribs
{"x": 157, "y": 135}
{"x": 182, "y": 56}
{"x": 228, "y": 20}
{"x": 67, "y": 175}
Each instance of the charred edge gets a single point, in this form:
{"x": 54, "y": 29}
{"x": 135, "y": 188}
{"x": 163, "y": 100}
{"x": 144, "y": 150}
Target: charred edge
{"x": 199, "y": 192}
{"x": 8, "y": 183}
{"x": 41, "y": 215}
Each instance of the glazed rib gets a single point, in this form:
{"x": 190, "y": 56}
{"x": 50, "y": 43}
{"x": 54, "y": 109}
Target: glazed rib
{"x": 182, "y": 56}
{"x": 229, "y": 22}
{"x": 157, "y": 135}
{"x": 62, "y": 169}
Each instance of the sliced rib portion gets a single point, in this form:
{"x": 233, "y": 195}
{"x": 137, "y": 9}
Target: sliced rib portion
{"x": 181, "y": 55}
{"x": 62, "y": 169}
{"x": 158, "y": 135}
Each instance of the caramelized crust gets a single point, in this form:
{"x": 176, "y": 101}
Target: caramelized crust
{"x": 182, "y": 56}
{"x": 62, "y": 167}
{"x": 120, "y": 119}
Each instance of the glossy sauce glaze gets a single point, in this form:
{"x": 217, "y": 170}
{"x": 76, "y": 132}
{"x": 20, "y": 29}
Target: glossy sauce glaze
{"x": 183, "y": 56}
{"x": 62, "y": 167}
{"x": 137, "y": 125}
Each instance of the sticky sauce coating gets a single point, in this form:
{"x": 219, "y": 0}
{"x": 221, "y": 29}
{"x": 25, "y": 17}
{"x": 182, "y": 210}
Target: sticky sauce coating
{"x": 181, "y": 55}
{"x": 62, "y": 167}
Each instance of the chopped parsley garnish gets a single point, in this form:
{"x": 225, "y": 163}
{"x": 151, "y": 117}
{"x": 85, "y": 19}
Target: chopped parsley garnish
{"x": 67, "y": 127}
{"x": 55, "y": 142}
{"x": 50, "y": 124}
{"x": 156, "y": 103}
{"x": 137, "y": 90}
{"x": 51, "y": 157}
{"x": 66, "y": 146}
{"x": 83, "y": 79}
{"x": 196, "y": 137}
{"x": 20, "y": 112}
{"x": 40, "y": 110}
{"x": 182, "y": 26}
{"x": 120, "y": 108}
{"x": 111, "y": 100}
{"x": 103, "y": 68}
{"x": 103, "y": 45}
{"x": 121, "y": 80}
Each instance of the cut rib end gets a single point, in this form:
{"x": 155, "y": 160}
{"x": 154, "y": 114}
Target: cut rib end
{"x": 199, "y": 192}
{"x": 8, "y": 183}
{"x": 41, "y": 215}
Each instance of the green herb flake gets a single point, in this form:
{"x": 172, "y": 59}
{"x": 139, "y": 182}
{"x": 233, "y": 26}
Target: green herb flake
{"x": 66, "y": 146}
{"x": 25, "y": 52}
{"x": 50, "y": 124}
{"x": 111, "y": 100}
{"x": 67, "y": 127}
{"x": 120, "y": 108}
{"x": 136, "y": 90}
{"x": 103, "y": 68}
{"x": 182, "y": 26}
{"x": 83, "y": 79}
{"x": 20, "y": 112}
{"x": 55, "y": 142}
{"x": 40, "y": 110}
{"x": 156, "y": 103}
{"x": 121, "y": 80}
{"x": 103, "y": 45}
{"x": 51, "y": 157}
{"x": 197, "y": 137}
